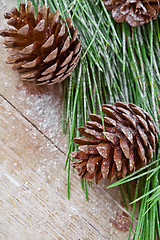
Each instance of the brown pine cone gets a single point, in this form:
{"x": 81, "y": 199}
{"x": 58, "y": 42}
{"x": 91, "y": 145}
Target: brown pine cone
{"x": 41, "y": 48}
{"x": 127, "y": 144}
{"x": 135, "y": 12}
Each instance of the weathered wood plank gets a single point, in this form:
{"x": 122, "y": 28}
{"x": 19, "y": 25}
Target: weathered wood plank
{"x": 33, "y": 196}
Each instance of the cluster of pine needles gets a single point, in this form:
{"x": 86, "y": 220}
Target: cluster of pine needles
{"x": 118, "y": 63}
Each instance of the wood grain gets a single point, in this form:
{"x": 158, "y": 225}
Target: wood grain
{"x": 33, "y": 192}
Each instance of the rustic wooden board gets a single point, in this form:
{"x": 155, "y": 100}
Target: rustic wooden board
{"x": 33, "y": 192}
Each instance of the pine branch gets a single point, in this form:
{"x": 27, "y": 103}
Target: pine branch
{"x": 119, "y": 63}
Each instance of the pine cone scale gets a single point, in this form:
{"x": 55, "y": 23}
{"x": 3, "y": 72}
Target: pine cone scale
{"x": 104, "y": 149}
{"x": 82, "y": 141}
{"x": 88, "y": 149}
{"x": 48, "y": 44}
{"x": 112, "y": 172}
{"x": 111, "y": 137}
{"x": 105, "y": 167}
{"x": 131, "y": 158}
{"x": 149, "y": 151}
{"x": 122, "y": 148}
{"x": 152, "y": 140}
{"x": 118, "y": 157}
{"x": 143, "y": 136}
{"x": 93, "y": 163}
{"x": 141, "y": 150}
{"x": 125, "y": 146}
{"x": 124, "y": 167}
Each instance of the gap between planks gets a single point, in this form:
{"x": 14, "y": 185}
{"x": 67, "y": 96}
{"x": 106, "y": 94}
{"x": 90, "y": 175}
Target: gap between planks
{"x": 32, "y": 124}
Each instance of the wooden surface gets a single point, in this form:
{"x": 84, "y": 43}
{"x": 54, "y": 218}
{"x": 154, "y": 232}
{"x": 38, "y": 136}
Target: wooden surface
{"x": 33, "y": 183}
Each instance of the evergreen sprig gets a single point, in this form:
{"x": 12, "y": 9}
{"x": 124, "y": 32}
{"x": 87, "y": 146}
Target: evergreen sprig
{"x": 118, "y": 63}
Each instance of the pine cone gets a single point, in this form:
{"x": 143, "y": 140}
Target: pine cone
{"x": 135, "y": 12}
{"x": 41, "y": 48}
{"x": 127, "y": 144}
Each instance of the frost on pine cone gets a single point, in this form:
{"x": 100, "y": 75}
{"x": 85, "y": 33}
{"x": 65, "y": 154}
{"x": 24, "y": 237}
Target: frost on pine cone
{"x": 41, "y": 48}
{"x": 135, "y": 12}
{"x": 127, "y": 144}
